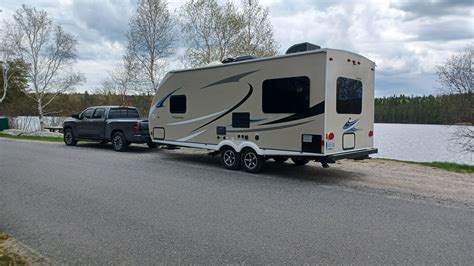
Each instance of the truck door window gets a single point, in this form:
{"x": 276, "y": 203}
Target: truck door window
{"x": 87, "y": 114}
{"x": 98, "y": 113}
{"x": 286, "y": 95}
{"x": 349, "y": 96}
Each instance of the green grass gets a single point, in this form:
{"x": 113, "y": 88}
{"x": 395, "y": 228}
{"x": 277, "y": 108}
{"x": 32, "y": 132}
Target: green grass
{"x": 453, "y": 167}
{"x": 50, "y": 139}
{"x": 7, "y": 257}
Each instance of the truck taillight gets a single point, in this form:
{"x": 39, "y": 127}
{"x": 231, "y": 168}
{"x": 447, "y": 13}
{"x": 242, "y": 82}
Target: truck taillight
{"x": 371, "y": 133}
{"x": 137, "y": 127}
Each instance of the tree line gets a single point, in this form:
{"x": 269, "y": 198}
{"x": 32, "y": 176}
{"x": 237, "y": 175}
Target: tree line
{"x": 37, "y": 55}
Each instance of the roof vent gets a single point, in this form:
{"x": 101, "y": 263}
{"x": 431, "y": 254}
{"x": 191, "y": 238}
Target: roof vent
{"x": 238, "y": 59}
{"x": 302, "y": 47}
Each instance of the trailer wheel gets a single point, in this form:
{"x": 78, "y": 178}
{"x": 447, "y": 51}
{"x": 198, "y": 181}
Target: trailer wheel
{"x": 230, "y": 159}
{"x": 251, "y": 161}
{"x": 119, "y": 142}
{"x": 280, "y": 159}
{"x": 69, "y": 138}
{"x": 299, "y": 161}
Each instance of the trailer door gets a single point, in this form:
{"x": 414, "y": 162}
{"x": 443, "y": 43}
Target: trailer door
{"x": 349, "y": 105}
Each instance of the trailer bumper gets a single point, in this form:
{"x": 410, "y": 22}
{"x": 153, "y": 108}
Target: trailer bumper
{"x": 359, "y": 154}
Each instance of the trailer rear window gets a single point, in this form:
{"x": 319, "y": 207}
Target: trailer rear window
{"x": 349, "y": 96}
{"x": 178, "y": 104}
{"x": 123, "y": 113}
{"x": 285, "y": 95}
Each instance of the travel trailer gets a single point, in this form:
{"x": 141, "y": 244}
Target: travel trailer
{"x": 309, "y": 104}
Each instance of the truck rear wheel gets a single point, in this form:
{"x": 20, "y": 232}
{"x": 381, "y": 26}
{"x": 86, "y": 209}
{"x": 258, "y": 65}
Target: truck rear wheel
{"x": 299, "y": 161}
{"x": 251, "y": 161}
{"x": 69, "y": 138}
{"x": 119, "y": 142}
{"x": 230, "y": 159}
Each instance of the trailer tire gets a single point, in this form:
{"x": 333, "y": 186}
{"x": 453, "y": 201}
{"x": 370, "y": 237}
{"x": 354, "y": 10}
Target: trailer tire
{"x": 230, "y": 159}
{"x": 299, "y": 161}
{"x": 251, "y": 161}
{"x": 69, "y": 138}
{"x": 280, "y": 159}
{"x": 119, "y": 142}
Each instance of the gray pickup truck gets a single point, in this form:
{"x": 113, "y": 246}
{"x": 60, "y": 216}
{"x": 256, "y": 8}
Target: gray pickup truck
{"x": 117, "y": 124}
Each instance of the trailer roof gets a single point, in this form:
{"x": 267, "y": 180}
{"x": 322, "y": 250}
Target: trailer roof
{"x": 324, "y": 50}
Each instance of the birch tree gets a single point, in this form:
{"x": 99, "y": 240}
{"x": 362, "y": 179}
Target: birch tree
{"x": 210, "y": 30}
{"x": 256, "y": 37}
{"x": 456, "y": 79}
{"x": 150, "y": 40}
{"x": 48, "y": 51}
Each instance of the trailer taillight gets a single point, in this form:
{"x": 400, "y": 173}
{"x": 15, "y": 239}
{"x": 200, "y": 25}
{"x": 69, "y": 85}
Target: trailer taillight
{"x": 330, "y": 136}
{"x": 137, "y": 127}
{"x": 371, "y": 133}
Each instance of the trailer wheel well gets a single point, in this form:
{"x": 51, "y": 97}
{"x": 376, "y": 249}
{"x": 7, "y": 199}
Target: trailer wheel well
{"x": 225, "y": 147}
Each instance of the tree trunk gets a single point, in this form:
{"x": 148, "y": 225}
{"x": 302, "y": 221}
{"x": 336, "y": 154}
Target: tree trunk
{"x": 40, "y": 113}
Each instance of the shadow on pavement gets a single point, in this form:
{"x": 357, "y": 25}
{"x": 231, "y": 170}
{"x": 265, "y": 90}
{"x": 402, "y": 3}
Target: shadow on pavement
{"x": 312, "y": 172}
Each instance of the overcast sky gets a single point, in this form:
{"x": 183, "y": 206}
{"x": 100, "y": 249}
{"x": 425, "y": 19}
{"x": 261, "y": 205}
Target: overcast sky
{"x": 407, "y": 39}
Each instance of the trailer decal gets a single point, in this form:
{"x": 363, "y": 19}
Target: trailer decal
{"x": 231, "y": 79}
{"x": 230, "y": 109}
{"x": 268, "y": 128}
{"x": 313, "y": 111}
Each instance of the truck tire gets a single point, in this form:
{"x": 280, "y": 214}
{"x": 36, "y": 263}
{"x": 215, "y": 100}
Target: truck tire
{"x": 119, "y": 142}
{"x": 299, "y": 161}
{"x": 251, "y": 161}
{"x": 69, "y": 138}
{"x": 230, "y": 159}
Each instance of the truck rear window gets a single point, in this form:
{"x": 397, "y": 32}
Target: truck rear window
{"x": 349, "y": 96}
{"x": 123, "y": 113}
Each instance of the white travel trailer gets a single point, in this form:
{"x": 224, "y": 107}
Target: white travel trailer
{"x": 309, "y": 104}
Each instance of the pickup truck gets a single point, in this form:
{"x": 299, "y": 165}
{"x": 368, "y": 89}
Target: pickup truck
{"x": 117, "y": 124}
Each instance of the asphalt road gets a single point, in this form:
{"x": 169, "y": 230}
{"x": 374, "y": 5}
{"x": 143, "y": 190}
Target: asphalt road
{"x": 89, "y": 204}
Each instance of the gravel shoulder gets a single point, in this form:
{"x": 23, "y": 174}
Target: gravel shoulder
{"x": 407, "y": 179}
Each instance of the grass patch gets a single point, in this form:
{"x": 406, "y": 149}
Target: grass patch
{"x": 453, "y": 167}
{"x": 7, "y": 257}
{"x": 40, "y": 138}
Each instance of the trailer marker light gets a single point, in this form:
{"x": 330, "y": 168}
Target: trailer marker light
{"x": 330, "y": 136}
{"x": 371, "y": 133}
{"x": 330, "y": 58}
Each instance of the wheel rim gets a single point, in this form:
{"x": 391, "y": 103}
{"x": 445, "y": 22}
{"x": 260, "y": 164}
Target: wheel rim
{"x": 118, "y": 142}
{"x": 250, "y": 160}
{"x": 68, "y": 137}
{"x": 229, "y": 158}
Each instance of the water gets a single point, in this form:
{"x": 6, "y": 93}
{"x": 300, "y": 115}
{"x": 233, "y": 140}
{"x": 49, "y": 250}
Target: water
{"x": 421, "y": 143}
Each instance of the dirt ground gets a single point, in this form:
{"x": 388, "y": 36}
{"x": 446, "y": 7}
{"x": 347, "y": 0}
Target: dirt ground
{"x": 411, "y": 178}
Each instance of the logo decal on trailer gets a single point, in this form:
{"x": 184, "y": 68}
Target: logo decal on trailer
{"x": 349, "y": 126}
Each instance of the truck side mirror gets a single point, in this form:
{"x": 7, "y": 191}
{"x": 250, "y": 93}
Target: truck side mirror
{"x": 75, "y": 116}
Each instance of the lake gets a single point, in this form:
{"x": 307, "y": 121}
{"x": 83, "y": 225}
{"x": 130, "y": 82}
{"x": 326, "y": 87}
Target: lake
{"x": 421, "y": 143}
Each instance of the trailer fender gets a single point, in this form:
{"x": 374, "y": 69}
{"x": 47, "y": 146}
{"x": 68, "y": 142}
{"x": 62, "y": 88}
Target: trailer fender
{"x": 249, "y": 144}
{"x": 238, "y": 146}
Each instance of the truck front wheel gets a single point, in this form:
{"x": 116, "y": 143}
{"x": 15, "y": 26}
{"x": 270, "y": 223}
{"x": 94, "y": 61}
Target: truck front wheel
{"x": 69, "y": 138}
{"x": 119, "y": 142}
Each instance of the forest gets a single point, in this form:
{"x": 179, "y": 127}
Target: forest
{"x": 394, "y": 109}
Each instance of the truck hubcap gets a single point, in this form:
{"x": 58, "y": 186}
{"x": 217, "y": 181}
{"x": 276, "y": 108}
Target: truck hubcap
{"x": 68, "y": 137}
{"x": 118, "y": 142}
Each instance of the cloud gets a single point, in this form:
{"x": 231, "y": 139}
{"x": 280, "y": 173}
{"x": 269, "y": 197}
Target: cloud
{"x": 406, "y": 38}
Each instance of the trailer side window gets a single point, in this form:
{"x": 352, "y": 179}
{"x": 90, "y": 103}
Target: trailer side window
{"x": 349, "y": 96}
{"x": 178, "y": 104}
{"x": 285, "y": 95}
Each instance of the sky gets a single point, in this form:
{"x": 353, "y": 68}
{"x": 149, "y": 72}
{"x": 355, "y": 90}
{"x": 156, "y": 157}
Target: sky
{"x": 406, "y": 38}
